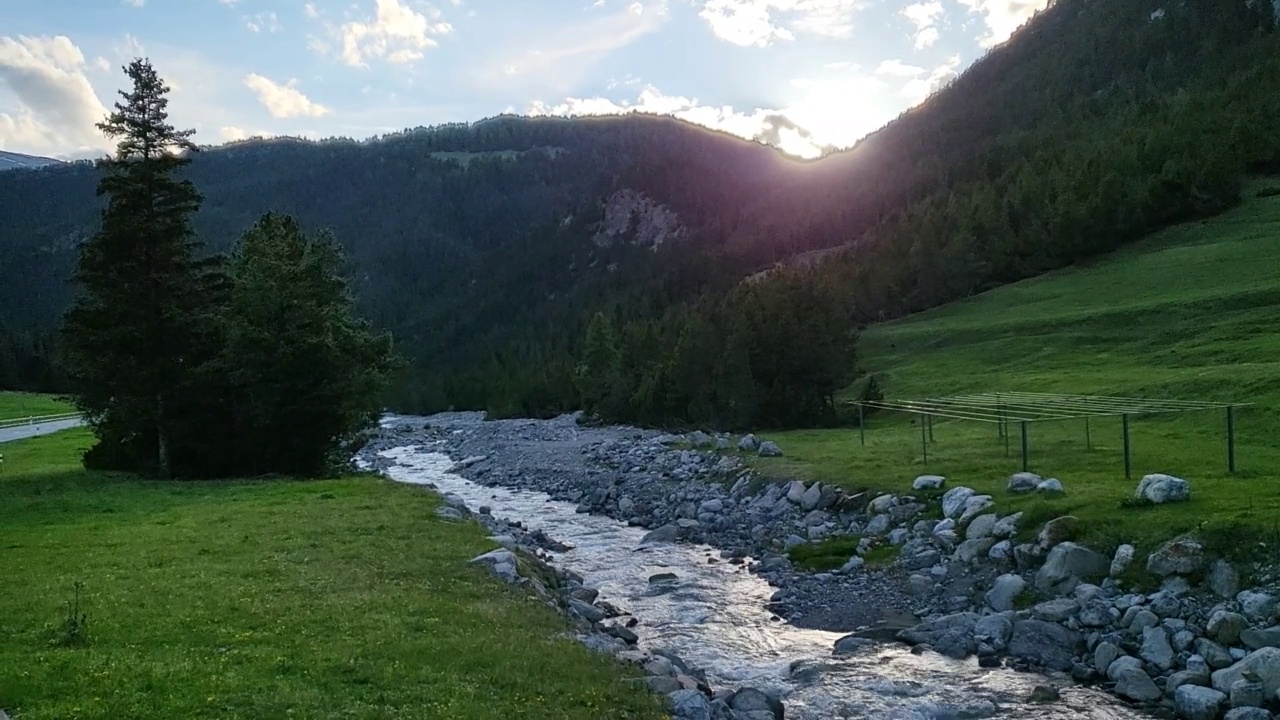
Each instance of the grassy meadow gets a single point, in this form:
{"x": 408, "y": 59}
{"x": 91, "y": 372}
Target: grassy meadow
{"x": 1192, "y": 313}
{"x": 16, "y": 405}
{"x": 340, "y": 598}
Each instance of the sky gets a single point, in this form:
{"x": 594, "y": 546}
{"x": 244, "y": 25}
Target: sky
{"x": 803, "y": 75}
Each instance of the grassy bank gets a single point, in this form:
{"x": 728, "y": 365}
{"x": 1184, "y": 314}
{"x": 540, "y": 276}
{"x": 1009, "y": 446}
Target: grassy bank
{"x": 15, "y": 405}
{"x": 1191, "y": 313}
{"x": 320, "y": 599}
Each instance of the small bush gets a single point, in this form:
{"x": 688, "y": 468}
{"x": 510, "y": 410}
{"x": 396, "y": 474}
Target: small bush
{"x": 75, "y": 626}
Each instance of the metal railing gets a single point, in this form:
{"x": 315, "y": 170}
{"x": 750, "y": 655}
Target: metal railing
{"x": 37, "y": 419}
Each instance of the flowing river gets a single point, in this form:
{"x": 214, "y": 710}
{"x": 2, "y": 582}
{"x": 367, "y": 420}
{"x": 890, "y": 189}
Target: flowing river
{"x": 715, "y": 618}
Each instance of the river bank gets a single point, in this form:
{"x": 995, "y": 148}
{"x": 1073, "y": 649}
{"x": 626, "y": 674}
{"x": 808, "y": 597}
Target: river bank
{"x": 706, "y": 498}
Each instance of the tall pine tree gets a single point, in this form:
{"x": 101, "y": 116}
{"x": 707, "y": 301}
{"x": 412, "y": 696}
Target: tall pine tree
{"x": 136, "y": 327}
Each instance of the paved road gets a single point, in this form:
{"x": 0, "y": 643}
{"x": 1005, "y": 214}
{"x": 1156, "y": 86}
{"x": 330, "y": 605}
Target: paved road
{"x": 26, "y": 431}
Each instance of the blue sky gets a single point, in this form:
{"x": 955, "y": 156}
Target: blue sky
{"x": 801, "y": 74}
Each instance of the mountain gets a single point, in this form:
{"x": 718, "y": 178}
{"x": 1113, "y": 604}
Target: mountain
{"x": 16, "y": 161}
{"x": 486, "y": 247}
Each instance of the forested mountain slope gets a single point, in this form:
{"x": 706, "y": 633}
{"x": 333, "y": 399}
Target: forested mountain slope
{"x": 486, "y": 247}
{"x": 18, "y": 161}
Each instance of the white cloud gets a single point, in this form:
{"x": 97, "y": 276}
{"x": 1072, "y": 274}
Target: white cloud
{"x": 898, "y": 69}
{"x": 1003, "y": 16}
{"x": 924, "y": 15}
{"x": 397, "y": 33}
{"x": 283, "y": 101}
{"x": 918, "y": 88}
{"x": 762, "y": 22}
{"x": 310, "y": 11}
{"x": 55, "y": 107}
{"x": 263, "y": 22}
{"x": 134, "y": 3}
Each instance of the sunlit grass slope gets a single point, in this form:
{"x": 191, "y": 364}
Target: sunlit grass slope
{"x": 1192, "y": 313}
{"x": 274, "y": 599}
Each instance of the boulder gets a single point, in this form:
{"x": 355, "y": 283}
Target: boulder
{"x": 811, "y": 497}
{"x": 1265, "y": 663}
{"x": 449, "y": 513}
{"x": 994, "y": 630}
{"x": 626, "y": 505}
{"x": 953, "y": 501}
{"x": 1121, "y": 560}
{"x": 973, "y": 550}
{"x": 950, "y": 634}
{"x": 1222, "y": 579}
{"x": 769, "y": 449}
{"x": 1055, "y": 610}
{"x": 501, "y": 562}
{"x": 1057, "y": 530}
{"x": 1046, "y": 644}
{"x": 1161, "y": 489}
{"x": 1181, "y": 556}
{"x": 1185, "y": 677}
{"x": 795, "y": 492}
{"x": 1259, "y": 607}
{"x": 1136, "y": 685}
{"x": 1247, "y": 693}
{"x": 1001, "y": 551}
{"x": 1156, "y": 648}
{"x": 748, "y": 443}
{"x": 1120, "y": 664}
{"x": 690, "y": 705}
{"x": 1225, "y": 627}
{"x": 699, "y": 439}
{"x": 1215, "y": 656}
{"x": 1007, "y": 527}
{"x": 750, "y": 701}
{"x": 881, "y": 504}
{"x": 1251, "y": 713}
{"x": 1052, "y": 486}
{"x": 973, "y": 507}
{"x": 1256, "y": 638}
{"x": 878, "y": 525}
{"x": 713, "y": 506}
{"x": 1024, "y": 482}
{"x": 982, "y": 526}
{"x": 586, "y": 611}
{"x": 1105, "y": 654}
{"x": 1004, "y": 591}
{"x": 1067, "y": 566}
{"x": 1194, "y": 702}
{"x": 850, "y": 644}
{"x": 664, "y": 534}
{"x": 929, "y": 482}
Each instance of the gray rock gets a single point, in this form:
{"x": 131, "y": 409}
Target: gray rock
{"x": 769, "y": 449}
{"x": 750, "y": 701}
{"x": 854, "y": 564}
{"x": 1225, "y": 627}
{"x": 1004, "y": 591}
{"x": 1067, "y": 566}
{"x": 881, "y": 504}
{"x": 951, "y": 634}
{"x": 1186, "y": 677}
{"x": 501, "y": 562}
{"x": 1264, "y": 663}
{"x": 972, "y": 550}
{"x": 1052, "y": 486}
{"x": 748, "y": 443}
{"x": 713, "y": 506}
{"x": 929, "y": 482}
{"x": 1055, "y": 610}
{"x": 973, "y": 507}
{"x": 1007, "y": 527}
{"x": 1056, "y": 531}
{"x": 879, "y": 525}
{"x": 1105, "y": 654}
{"x": 1046, "y": 644}
{"x": 994, "y": 630}
{"x": 690, "y": 705}
{"x": 1194, "y": 702}
{"x": 699, "y": 439}
{"x": 1136, "y": 685}
{"x": 1142, "y": 620}
{"x": 586, "y": 611}
{"x": 1247, "y": 693}
{"x": 626, "y": 505}
{"x": 1223, "y": 579}
{"x": 1161, "y": 489}
{"x": 1183, "y": 640}
{"x": 982, "y": 526}
{"x": 449, "y": 513}
{"x": 1097, "y": 614}
{"x": 662, "y": 685}
{"x": 795, "y": 492}
{"x": 1255, "y": 638}
{"x": 663, "y": 578}
{"x": 1001, "y": 551}
{"x": 1251, "y": 713}
{"x": 811, "y": 497}
{"x": 1215, "y": 656}
{"x": 850, "y": 644}
{"x": 1156, "y": 648}
{"x": 1181, "y": 556}
{"x": 1120, "y": 664}
{"x": 1258, "y": 607}
{"x": 953, "y": 501}
{"x": 664, "y": 534}
{"x": 1023, "y": 482}
{"x": 1122, "y": 559}
{"x": 1197, "y": 664}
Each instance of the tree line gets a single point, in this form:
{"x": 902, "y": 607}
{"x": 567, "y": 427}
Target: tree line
{"x": 191, "y": 365}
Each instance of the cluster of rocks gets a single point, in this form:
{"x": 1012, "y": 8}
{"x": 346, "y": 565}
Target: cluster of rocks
{"x": 603, "y": 627}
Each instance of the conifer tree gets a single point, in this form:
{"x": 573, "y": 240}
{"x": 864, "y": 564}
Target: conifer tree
{"x": 133, "y": 331}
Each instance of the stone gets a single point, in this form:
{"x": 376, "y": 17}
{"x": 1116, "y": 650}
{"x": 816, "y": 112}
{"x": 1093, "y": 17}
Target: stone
{"x": 626, "y": 505}
{"x": 659, "y": 666}
{"x": 1215, "y": 656}
{"x": 948, "y": 630}
{"x": 748, "y": 443}
{"x": 1023, "y": 482}
{"x": 1246, "y": 693}
{"x": 1161, "y": 489}
{"x": 981, "y": 527}
{"x": 850, "y": 644}
{"x": 622, "y": 633}
{"x": 972, "y": 550}
{"x": 1180, "y": 556}
{"x": 1067, "y": 565}
{"x": 1052, "y": 486}
{"x": 1185, "y": 677}
{"x": 1252, "y": 713}
{"x": 1044, "y": 694}
{"x": 953, "y": 501}
{"x": 662, "y": 685}
{"x": 1001, "y": 551}
{"x": 1156, "y": 648}
{"x": 1258, "y": 607}
{"x": 449, "y": 513}
{"x": 1136, "y": 685}
{"x": 1197, "y": 664}
{"x": 663, "y": 578}
{"x": 501, "y": 562}
{"x": 1057, "y": 530}
{"x": 973, "y": 507}
{"x": 795, "y": 492}
{"x": 750, "y": 700}
{"x": 1121, "y": 560}
{"x": 1105, "y": 654}
{"x": 1265, "y": 663}
{"x": 699, "y": 439}
{"x": 1142, "y": 620}
{"x": 586, "y": 611}
{"x": 1183, "y": 640}
{"x": 879, "y": 525}
{"x": 994, "y": 630}
{"x": 664, "y": 534}
{"x": 1004, "y": 591}
{"x": 944, "y": 525}
{"x": 1055, "y": 610}
{"x": 928, "y": 482}
{"x": 1097, "y": 614}
{"x": 690, "y": 705}
{"x": 881, "y": 504}
{"x": 769, "y": 449}
{"x": 713, "y": 506}
{"x": 1225, "y": 627}
{"x": 1007, "y": 527}
{"x": 1120, "y": 664}
{"x": 811, "y": 497}
{"x": 1046, "y": 644}
{"x": 1198, "y": 703}
{"x": 854, "y": 564}
{"x": 1222, "y": 579}
{"x": 1255, "y": 638}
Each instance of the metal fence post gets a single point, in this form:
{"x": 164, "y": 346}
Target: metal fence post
{"x": 1024, "y": 446}
{"x": 1231, "y": 440}
{"x": 1128, "y": 468}
{"x": 862, "y": 426}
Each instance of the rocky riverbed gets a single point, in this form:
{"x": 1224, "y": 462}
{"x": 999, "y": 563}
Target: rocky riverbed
{"x": 958, "y": 584}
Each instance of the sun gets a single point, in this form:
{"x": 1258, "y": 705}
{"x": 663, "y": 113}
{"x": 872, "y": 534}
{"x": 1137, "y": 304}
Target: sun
{"x": 834, "y": 113}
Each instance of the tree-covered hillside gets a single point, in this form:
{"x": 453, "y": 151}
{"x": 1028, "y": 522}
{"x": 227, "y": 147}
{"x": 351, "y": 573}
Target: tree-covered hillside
{"x": 481, "y": 246}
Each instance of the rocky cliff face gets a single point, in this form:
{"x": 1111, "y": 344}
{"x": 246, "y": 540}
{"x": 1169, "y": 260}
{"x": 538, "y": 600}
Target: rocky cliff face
{"x": 632, "y": 216}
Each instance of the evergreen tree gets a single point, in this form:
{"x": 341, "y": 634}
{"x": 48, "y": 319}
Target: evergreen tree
{"x": 133, "y": 331}
{"x": 599, "y": 373}
{"x": 308, "y": 374}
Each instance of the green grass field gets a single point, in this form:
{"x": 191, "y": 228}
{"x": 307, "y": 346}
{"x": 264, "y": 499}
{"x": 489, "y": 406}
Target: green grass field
{"x": 14, "y": 405}
{"x": 1191, "y": 313}
{"x": 281, "y": 599}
